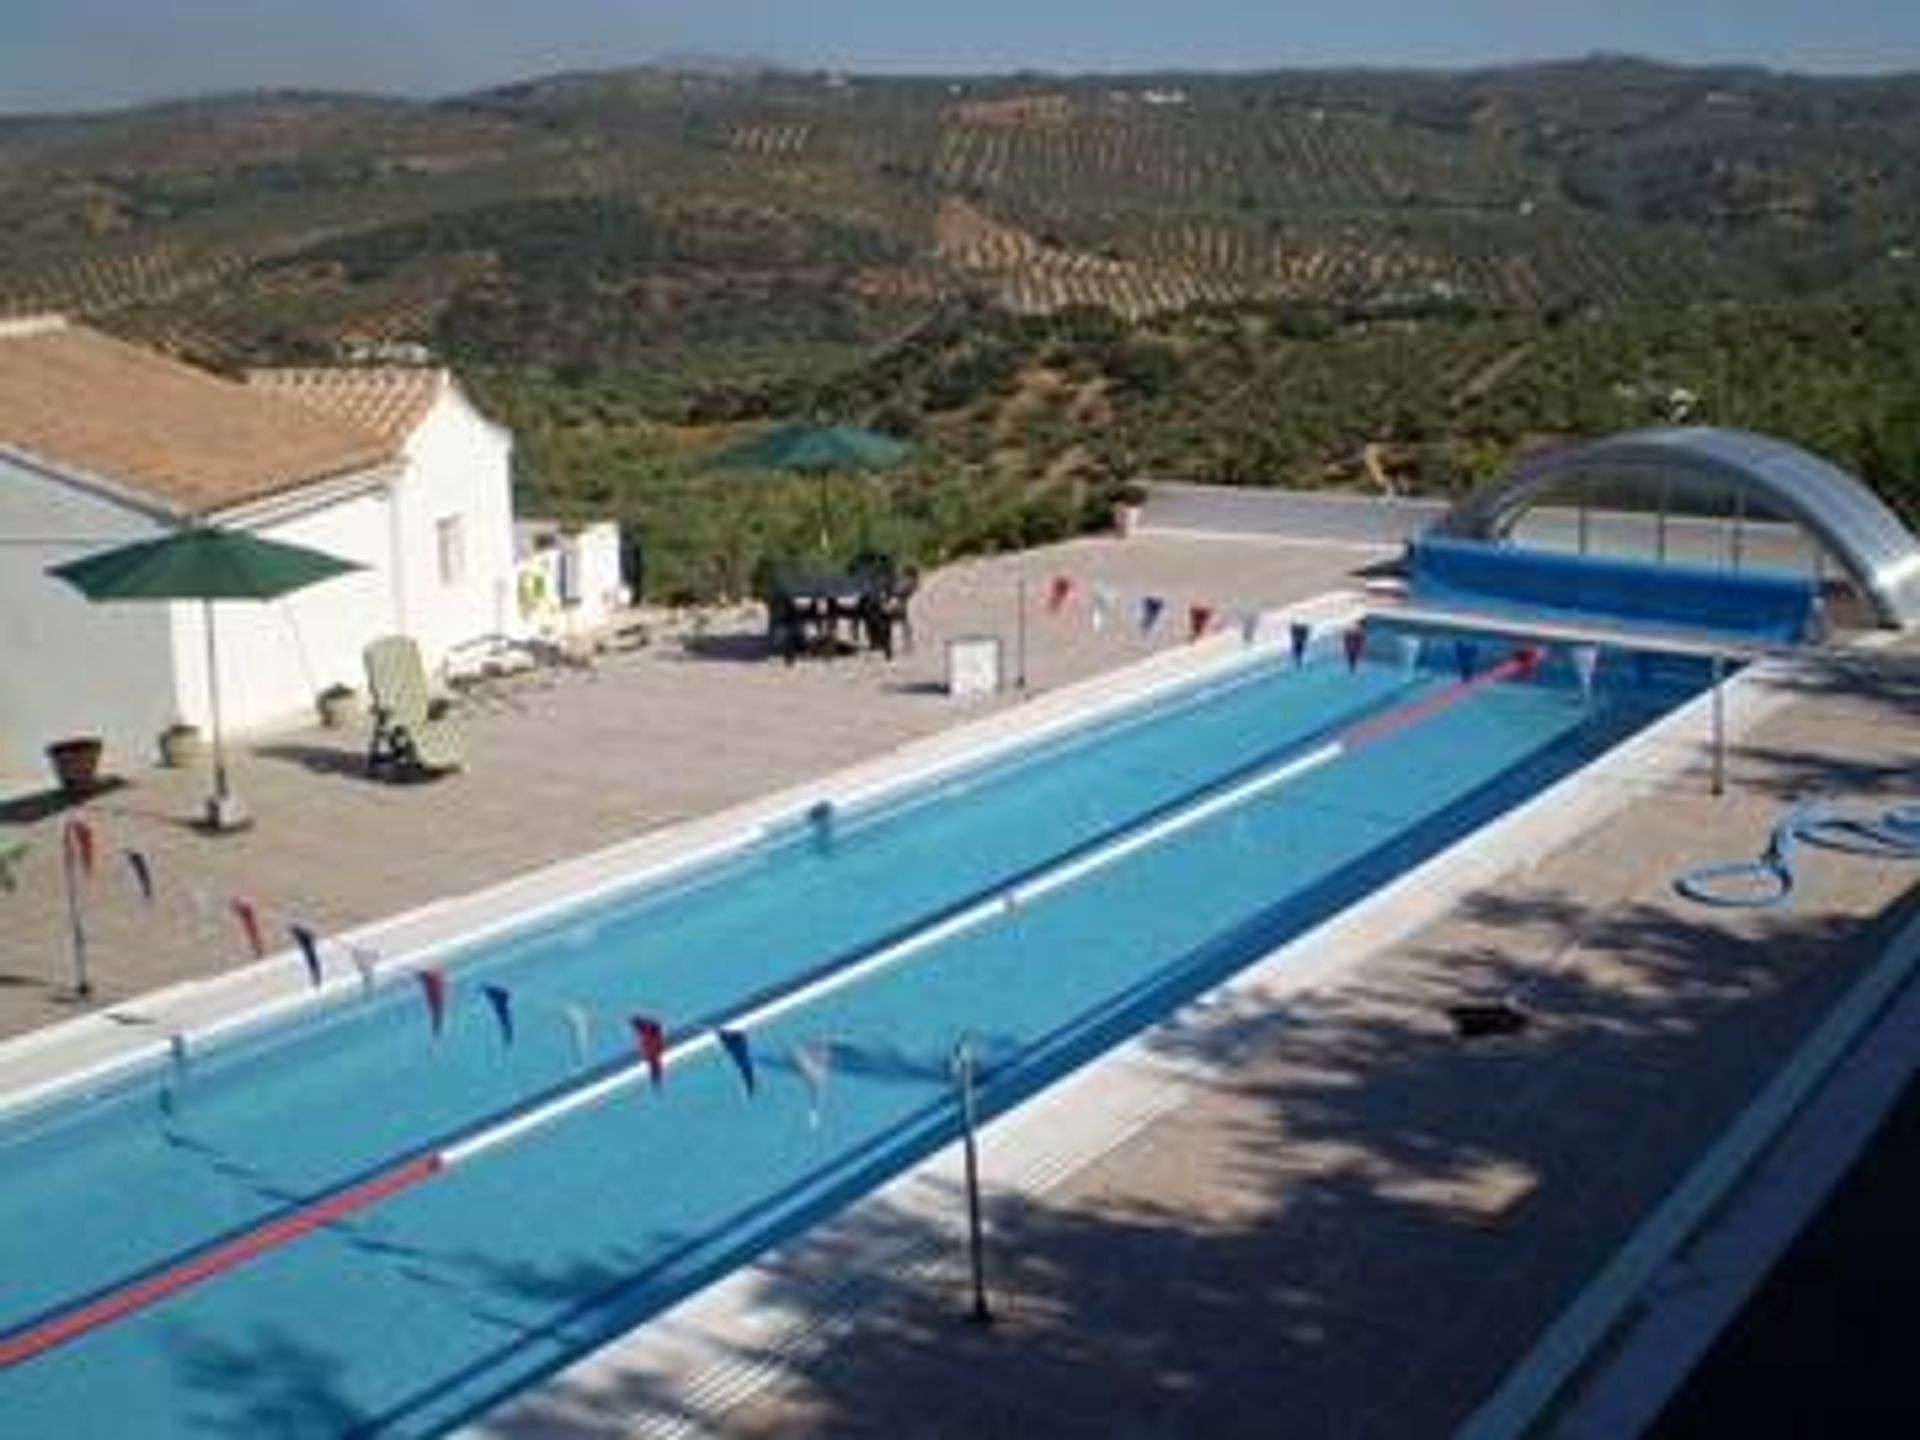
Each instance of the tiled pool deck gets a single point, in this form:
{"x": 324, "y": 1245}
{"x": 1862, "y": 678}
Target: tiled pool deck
{"x": 1351, "y": 1223}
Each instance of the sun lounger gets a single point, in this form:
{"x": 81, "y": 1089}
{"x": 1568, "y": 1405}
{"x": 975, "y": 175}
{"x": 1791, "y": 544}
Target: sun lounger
{"x": 411, "y": 734}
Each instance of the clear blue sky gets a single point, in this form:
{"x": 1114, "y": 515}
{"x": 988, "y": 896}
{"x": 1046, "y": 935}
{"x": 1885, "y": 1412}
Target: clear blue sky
{"x": 78, "y": 54}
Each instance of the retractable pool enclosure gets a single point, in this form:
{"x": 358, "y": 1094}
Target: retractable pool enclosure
{"x": 1705, "y": 493}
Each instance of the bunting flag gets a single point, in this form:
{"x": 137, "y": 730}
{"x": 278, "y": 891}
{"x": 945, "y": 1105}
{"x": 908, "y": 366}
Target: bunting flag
{"x": 365, "y": 963}
{"x": 1466, "y": 655}
{"x": 1408, "y": 647}
{"x": 1586, "y": 663}
{"x": 1642, "y": 668}
{"x": 1527, "y": 660}
{"x": 734, "y": 1042}
{"x": 1199, "y": 617}
{"x": 580, "y": 1026}
{"x": 1249, "y": 626}
{"x": 82, "y": 845}
{"x": 813, "y": 1062}
{"x": 501, "y": 999}
{"x": 653, "y": 1046}
{"x": 1354, "y": 639}
{"x": 175, "y": 1075}
{"x": 433, "y": 988}
{"x": 249, "y": 919}
{"x": 309, "y": 944}
{"x": 1151, "y": 607}
{"x": 1299, "y": 633}
{"x": 10, "y": 859}
{"x": 1105, "y": 600}
{"x": 1058, "y": 593}
{"x": 142, "y": 874}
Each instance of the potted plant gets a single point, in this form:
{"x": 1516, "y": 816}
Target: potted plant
{"x": 76, "y": 763}
{"x": 339, "y": 706}
{"x": 180, "y": 745}
{"x": 1128, "y": 500}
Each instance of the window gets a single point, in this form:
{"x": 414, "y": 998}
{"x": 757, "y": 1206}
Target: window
{"x": 450, "y": 536}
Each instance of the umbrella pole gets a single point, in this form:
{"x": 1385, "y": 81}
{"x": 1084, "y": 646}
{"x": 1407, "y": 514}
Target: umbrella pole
{"x": 222, "y": 813}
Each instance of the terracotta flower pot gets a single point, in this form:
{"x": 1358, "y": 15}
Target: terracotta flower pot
{"x": 181, "y": 746}
{"x": 76, "y": 763}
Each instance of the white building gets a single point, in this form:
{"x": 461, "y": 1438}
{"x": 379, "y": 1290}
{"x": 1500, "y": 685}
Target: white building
{"x": 102, "y": 443}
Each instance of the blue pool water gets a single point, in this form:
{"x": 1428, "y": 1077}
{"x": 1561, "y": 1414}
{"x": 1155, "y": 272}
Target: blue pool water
{"x": 414, "y": 1314}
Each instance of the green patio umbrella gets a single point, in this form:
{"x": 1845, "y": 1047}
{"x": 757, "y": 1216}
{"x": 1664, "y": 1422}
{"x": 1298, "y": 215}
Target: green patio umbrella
{"x": 204, "y": 563}
{"x": 820, "y": 450}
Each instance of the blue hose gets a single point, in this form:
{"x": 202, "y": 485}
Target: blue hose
{"x": 1768, "y": 882}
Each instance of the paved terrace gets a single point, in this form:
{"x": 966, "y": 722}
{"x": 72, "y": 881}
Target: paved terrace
{"x": 1351, "y": 1225}
{"x": 569, "y": 761}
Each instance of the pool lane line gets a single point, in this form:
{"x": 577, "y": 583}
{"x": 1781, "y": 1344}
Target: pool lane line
{"x": 1177, "y": 817}
{"x": 248, "y": 1245}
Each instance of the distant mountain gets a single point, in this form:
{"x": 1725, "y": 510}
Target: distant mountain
{"x": 593, "y": 218}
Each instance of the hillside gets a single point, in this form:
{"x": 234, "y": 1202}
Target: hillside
{"x": 1261, "y": 277}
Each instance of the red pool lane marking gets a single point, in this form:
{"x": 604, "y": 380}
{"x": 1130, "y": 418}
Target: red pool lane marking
{"x": 1517, "y": 666}
{"x": 118, "y": 1304}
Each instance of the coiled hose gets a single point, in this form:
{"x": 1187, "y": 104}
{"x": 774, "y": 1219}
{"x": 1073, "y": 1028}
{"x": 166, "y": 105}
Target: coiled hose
{"x": 1767, "y": 882}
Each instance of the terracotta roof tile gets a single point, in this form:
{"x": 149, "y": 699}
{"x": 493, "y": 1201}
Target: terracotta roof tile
{"x": 196, "y": 442}
{"x": 390, "y": 401}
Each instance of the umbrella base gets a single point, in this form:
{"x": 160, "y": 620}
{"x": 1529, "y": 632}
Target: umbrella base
{"x": 225, "y": 814}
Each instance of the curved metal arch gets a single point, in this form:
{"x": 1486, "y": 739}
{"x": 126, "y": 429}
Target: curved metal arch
{"x": 1879, "y": 554}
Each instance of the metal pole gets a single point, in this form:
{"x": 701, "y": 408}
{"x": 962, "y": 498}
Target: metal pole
{"x": 76, "y": 923}
{"x": 976, "y": 1238}
{"x": 219, "y": 807}
{"x": 1020, "y": 641}
{"x": 1719, "y": 726}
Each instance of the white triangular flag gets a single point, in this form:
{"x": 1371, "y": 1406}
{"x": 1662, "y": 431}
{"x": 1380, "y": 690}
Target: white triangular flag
{"x": 580, "y": 1024}
{"x": 814, "y": 1062}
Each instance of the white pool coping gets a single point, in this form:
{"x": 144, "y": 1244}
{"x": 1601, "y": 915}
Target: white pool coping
{"x": 728, "y": 1340}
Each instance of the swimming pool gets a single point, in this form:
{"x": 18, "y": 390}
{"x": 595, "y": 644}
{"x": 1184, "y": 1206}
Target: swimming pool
{"x": 1047, "y": 904}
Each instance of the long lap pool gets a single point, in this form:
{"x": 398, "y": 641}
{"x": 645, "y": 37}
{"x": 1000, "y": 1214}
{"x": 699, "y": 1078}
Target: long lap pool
{"x": 349, "y": 1224}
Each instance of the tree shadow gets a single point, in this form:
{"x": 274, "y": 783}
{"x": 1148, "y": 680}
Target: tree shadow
{"x": 276, "y": 1384}
{"x": 1378, "y": 1217}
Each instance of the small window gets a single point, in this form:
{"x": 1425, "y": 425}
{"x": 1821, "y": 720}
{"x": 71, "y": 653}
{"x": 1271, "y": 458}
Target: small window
{"x": 450, "y": 534}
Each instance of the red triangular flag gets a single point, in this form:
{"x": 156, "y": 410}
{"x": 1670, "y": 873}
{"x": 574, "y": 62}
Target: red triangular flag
{"x": 653, "y": 1046}
{"x": 1058, "y": 593}
{"x": 249, "y": 919}
{"x": 1355, "y": 640}
{"x": 1199, "y": 617}
{"x": 81, "y": 842}
{"x": 433, "y": 985}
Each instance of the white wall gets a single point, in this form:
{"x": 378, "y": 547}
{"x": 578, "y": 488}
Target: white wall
{"x": 276, "y": 656}
{"x": 458, "y": 463}
{"x": 68, "y": 666}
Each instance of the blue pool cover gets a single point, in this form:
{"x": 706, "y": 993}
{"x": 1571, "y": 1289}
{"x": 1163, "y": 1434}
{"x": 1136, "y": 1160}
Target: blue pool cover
{"x": 1756, "y": 607}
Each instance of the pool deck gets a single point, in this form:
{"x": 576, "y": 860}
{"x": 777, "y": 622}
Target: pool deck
{"x": 1347, "y": 1222}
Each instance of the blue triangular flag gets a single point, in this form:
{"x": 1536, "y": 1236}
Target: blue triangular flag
{"x": 1465, "y": 655}
{"x": 1298, "y": 634}
{"x": 309, "y": 944}
{"x": 501, "y": 999}
{"x": 142, "y": 874}
{"x": 1150, "y": 608}
{"x": 734, "y": 1042}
